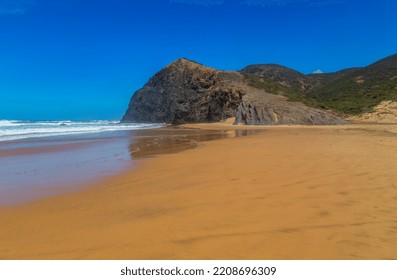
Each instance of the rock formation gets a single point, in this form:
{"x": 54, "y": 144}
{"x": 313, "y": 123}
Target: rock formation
{"x": 261, "y": 110}
{"x": 188, "y": 92}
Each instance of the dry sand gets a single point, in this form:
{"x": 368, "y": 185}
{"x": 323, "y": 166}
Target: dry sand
{"x": 285, "y": 193}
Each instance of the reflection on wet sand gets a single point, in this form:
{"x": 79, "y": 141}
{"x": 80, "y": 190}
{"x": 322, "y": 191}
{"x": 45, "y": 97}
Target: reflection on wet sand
{"x": 37, "y": 168}
{"x": 173, "y": 140}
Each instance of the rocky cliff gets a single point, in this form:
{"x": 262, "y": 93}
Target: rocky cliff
{"x": 188, "y": 92}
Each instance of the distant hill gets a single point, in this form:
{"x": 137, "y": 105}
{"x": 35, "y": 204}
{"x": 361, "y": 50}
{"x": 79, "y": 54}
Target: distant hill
{"x": 359, "y": 90}
{"x": 189, "y": 92}
{"x": 351, "y": 91}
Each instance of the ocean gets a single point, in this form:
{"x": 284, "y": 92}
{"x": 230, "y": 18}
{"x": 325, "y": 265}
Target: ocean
{"x": 42, "y": 158}
{"x": 11, "y": 130}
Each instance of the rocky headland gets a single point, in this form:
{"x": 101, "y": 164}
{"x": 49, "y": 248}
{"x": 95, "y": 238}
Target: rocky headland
{"x": 263, "y": 94}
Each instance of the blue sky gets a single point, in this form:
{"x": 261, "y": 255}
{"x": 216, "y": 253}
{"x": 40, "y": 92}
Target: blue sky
{"x": 76, "y": 59}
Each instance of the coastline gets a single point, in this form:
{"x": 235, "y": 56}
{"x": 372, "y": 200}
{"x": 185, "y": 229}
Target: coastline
{"x": 291, "y": 192}
{"x": 42, "y": 167}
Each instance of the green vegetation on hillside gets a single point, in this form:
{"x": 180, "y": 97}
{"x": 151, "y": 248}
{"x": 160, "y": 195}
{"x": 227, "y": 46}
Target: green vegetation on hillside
{"x": 353, "y": 91}
{"x": 355, "y": 96}
{"x": 276, "y": 88}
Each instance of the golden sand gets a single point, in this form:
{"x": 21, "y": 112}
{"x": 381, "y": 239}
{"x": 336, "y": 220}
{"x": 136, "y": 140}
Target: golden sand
{"x": 285, "y": 193}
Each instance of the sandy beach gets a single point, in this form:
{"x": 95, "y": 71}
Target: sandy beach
{"x": 279, "y": 193}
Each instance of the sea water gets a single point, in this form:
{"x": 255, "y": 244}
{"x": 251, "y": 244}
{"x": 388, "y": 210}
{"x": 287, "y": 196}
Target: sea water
{"x": 15, "y": 129}
{"x": 41, "y": 158}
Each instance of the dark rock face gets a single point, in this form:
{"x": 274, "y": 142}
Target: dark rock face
{"x": 185, "y": 92}
{"x": 188, "y": 92}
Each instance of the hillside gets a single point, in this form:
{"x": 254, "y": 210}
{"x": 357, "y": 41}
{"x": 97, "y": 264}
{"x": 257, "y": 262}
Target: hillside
{"x": 350, "y": 91}
{"x": 360, "y": 90}
{"x": 385, "y": 112}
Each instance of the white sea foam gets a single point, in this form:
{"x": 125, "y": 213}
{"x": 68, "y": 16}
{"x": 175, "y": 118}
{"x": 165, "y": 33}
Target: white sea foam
{"x": 16, "y": 130}
{"x": 8, "y": 123}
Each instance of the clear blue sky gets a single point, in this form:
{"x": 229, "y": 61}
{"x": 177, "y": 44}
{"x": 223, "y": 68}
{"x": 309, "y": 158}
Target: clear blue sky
{"x": 77, "y": 59}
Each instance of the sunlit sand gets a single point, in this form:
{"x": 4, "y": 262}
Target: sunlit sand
{"x": 283, "y": 193}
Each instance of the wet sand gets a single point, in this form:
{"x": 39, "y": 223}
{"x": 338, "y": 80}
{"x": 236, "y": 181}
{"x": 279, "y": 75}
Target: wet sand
{"x": 284, "y": 193}
{"x": 36, "y": 168}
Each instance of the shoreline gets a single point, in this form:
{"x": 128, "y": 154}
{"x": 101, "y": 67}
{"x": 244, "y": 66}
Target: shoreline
{"x": 314, "y": 194}
{"x": 38, "y": 168}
